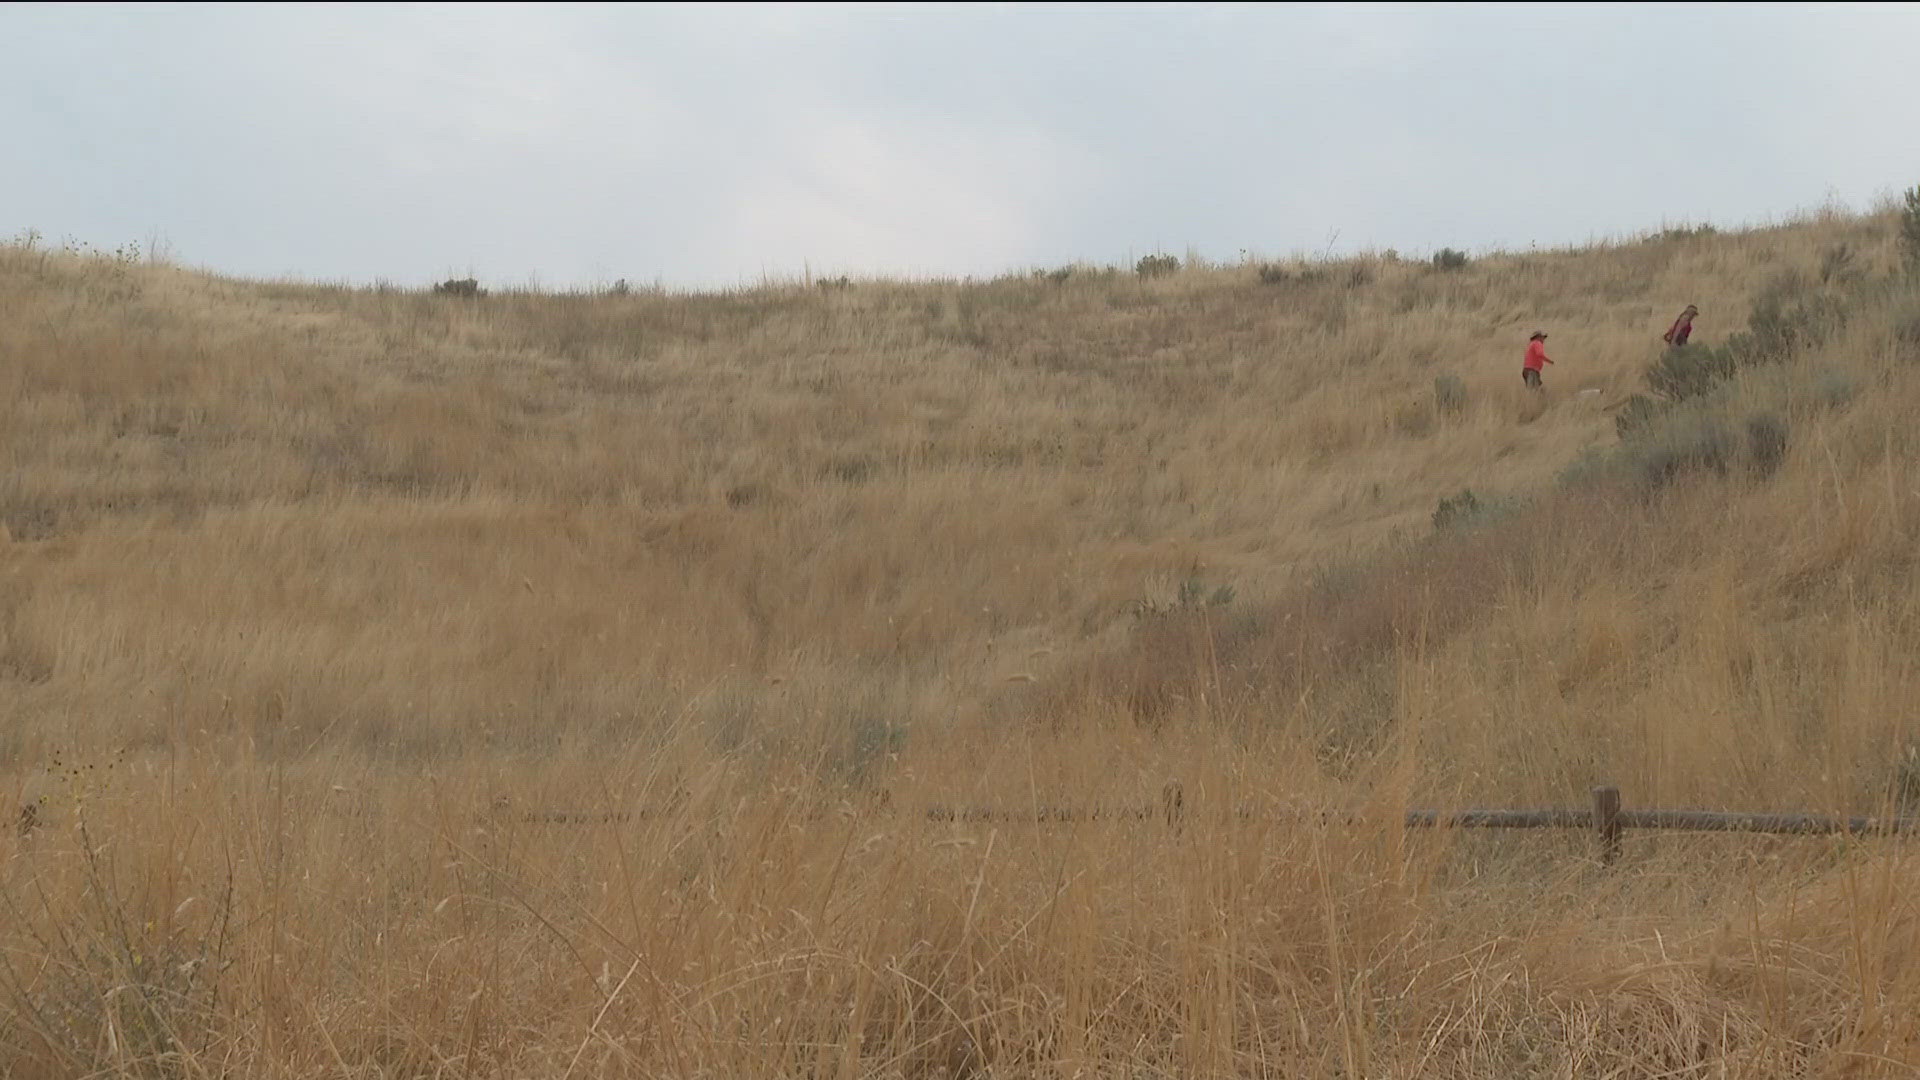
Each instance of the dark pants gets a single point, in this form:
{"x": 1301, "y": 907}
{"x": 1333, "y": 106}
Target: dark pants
{"x": 1530, "y": 376}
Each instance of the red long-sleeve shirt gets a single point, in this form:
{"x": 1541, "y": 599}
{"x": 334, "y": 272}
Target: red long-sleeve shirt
{"x": 1536, "y": 355}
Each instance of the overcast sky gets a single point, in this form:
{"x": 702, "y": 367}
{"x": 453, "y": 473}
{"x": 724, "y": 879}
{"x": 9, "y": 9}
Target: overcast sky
{"x": 712, "y": 145}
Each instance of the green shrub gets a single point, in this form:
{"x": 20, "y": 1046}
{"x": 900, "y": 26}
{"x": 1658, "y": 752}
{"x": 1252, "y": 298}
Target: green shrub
{"x": 1684, "y": 232}
{"x": 872, "y": 741}
{"x": 1193, "y": 593}
{"x": 1686, "y": 443}
{"x": 1449, "y": 259}
{"x": 1634, "y": 416}
{"x": 1697, "y": 441}
{"x": 462, "y": 287}
{"x": 1687, "y": 371}
{"x": 1594, "y": 465}
{"x": 1832, "y": 388}
{"x": 1906, "y": 332}
{"x": 1458, "y": 510}
{"x": 1470, "y": 511}
{"x": 1661, "y": 442}
{"x": 1415, "y": 418}
{"x": 1151, "y": 266}
{"x": 1450, "y": 394}
{"x": 1787, "y": 316}
{"x": 1766, "y": 443}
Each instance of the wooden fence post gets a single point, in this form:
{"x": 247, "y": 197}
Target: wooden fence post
{"x": 1606, "y": 822}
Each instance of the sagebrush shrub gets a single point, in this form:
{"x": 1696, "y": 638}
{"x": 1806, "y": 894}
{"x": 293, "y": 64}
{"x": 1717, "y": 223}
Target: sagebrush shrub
{"x": 1151, "y": 266}
{"x": 1787, "y": 316}
{"x": 1450, "y": 259}
{"x": 1594, "y": 465}
{"x": 1766, "y": 443}
{"x": 1636, "y": 414}
{"x": 1414, "y": 418}
{"x": 464, "y": 287}
{"x": 1687, "y": 371}
{"x": 1906, "y": 331}
{"x": 1832, "y": 388}
{"x": 1456, "y": 510}
{"x": 1685, "y": 232}
{"x": 870, "y": 741}
{"x": 1687, "y": 443}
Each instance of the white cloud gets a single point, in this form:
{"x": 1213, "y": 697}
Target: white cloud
{"x": 708, "y": 145}
{"x": 871, "y": 197}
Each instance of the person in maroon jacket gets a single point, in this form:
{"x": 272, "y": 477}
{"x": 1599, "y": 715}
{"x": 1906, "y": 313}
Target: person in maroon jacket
{"x": 1536, "y": 359}
{"x": 1682, "y": 327}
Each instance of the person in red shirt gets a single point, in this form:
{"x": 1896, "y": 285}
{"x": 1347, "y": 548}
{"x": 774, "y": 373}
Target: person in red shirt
{"x": 1536, "y": 359}
{"x": 1682, "y": 327}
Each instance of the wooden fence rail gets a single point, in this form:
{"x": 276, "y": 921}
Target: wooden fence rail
{"x": 1707, "y": 821}
{"x": 1605, "y": 817}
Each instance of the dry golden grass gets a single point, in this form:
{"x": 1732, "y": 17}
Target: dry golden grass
{"x": 553, "y": 685}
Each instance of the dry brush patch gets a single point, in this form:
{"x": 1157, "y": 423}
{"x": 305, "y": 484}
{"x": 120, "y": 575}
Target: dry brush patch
{"x": 325, "y": 919}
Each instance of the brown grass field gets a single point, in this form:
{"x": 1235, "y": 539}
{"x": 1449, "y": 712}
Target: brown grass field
{"x": 400, "y": 685}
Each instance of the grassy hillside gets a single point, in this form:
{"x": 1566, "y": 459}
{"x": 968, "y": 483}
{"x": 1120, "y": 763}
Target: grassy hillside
{"x": 406, "y": 684}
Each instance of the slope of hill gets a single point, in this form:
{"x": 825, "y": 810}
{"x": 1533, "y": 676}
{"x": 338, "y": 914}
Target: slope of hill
{"x": 408, "y": 683}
